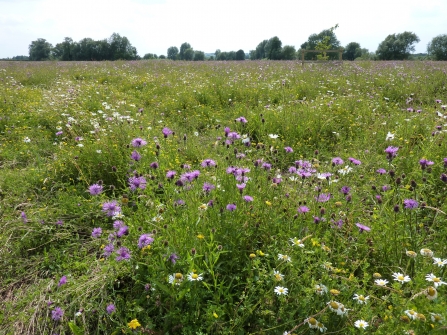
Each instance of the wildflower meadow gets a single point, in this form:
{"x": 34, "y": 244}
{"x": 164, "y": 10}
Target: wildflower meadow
{"x": 253, "y": 197}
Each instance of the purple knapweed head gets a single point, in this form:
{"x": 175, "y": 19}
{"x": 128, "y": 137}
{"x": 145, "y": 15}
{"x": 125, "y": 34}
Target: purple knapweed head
{"x": 241, "y": 120}
{"x": 288, "y": 149}
{"x": 135, "y": 155}
{"x": 247, "y": 198}
{"x": 354, "y": 161}
{"x": 337, "y": 161}
{"x": 62, "y": 281}
{"x": 108, "y": 249}
{"x": 207, "y": 187}
{"x": 208, "y": 163}
{"x": 137, "y": 182}
{"x": 345, "y": 190}
{"x": 323, "y": 197}
{"x": 362, "y": 227}
{"x": 59, "y": 133}
{"x": 96, "y": 232}
{"x": 138, "y": 142}
{"x": 231, "y": 207}
{"x": 166, "y": 132}
{"x": 57, "y": 313}
{"x": 95, "y": 189}
{"x": 410, "y": 204}
{"x": 145, "y": 240}
{"x": 381, "y": 171}
{"x": 24, "y": 217}
{"x": 111, "y": 208}
{"x": 173, "y": 258}
{"x": 123, "y": 254}
{"x": 123, "y": 230}
{"x": 424, "y": 163}
{"x": 444, "y": 177}
{"x": 110, "y": 308}
{"x": 303, "y": 209}
{"x": 391, "y": 152}
{"x": 154, "y": 165}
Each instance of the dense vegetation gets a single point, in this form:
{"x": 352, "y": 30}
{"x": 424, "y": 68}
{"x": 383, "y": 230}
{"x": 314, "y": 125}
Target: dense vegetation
{"x": 160, "y": 197}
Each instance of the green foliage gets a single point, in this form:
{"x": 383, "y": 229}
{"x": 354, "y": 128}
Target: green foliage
{"x": 172, "y": 53}
{"x": 240, "y": 55}
{"x": 272, "y": 48}
{"x": 183, "y": 54}
{"x": 397, "y": 46}
{"x": 325, "y": 40}
{"x": 437, "y": 48}
{"x": 39, "y": 50}
{"x": 352, "y": 51}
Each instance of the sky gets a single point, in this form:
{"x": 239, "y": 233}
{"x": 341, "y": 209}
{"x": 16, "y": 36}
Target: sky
{"x": 152, "y": 26}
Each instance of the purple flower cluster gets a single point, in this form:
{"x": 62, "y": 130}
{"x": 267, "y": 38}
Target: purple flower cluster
{"x": 138, "y": 142}
{"x": 208, "y": 163}
{"x": 123, "y": 254}
{"x": 95, "y": 189}
{"x": 391, "y": 152}
{"x": 111, "y": 208}
{"x": 137, "y": 182}
{"x": 145, "y": 240}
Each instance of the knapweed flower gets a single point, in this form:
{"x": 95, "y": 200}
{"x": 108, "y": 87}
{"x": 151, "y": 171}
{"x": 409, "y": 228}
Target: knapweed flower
{"x": 111, "y": 208}
{"x": 123, "y": 230}
{"x": 62, "y": 281}
{"x": 279, "y": 290}
{"x": 284, "y": 258}
{"x": 171, "y": 174}
{"x": 145, "y": 240}
{"x": 208, "y": 163}
{"x": 443, "y": 177}
{"x": 154, "y": 165}
{"x": 431, "y": 293}
{"x": 426, "y": 252}
{"x": 381, "y": 171}
{"x": 241, "y": 119}
{"x": 96, "y": 232}
{"x": 138, "y": 142}
{"x": 24, "y": 217}
{"x": 391, "y": 152}
{"x": 95, "y": 189}
{"x": 354, "y": 161}
{"x": 381, "y": 282}
{"x": 123, "y": 254}
{"x": 108, "y": 249}
{"x": 320, "y": 289}
{"x": 231, "y": 207}
{"x": 135, "y": 155}
{"x": 439, "y": 262}
{"x": 362, "y": 227}
{"x": 175, "y": 278}
{"x": 192, "y": 276}
{"x": 337, "y": 161}
{"x": 361, "y": 324}
{"x": 110, "y": 308}
{"x": 410, "y": 204}
{"x": 297, "y": 242}
{"x": 247, "y": 198}
{"x": 173, "y": 258}
{"x": 323, "y": 197}
{"x": 57, "y": 313}
{"x": 361, "y": 299}
{"x": 207, "y": 187}
{"x": 345, "y": 190}
{"x": 303, "y": 209}
{"x": 134, "y": 324}
{"x": 166, "y": 132}
{"x": 288, "y": 149}
{"x": 137, "y": 182}
{"x": 424, "y": 163}
{"x": 401, "y": 278}
{"x": 435, "y": 280}
{"x": 278, "y": 276}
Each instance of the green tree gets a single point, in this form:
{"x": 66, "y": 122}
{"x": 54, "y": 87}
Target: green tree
{"x": 120, "y": 48}
{"x": 437, "y": 48}
{"x": 326, "y": 37}
{"x": 40, "y": 49}
{"x": 240, "y": 55}
{"x": 173, "y": 53}
{"x": 199, "y": 55}
{"x": 188, "y": 54}
{"x": 150, "y": 56}
{"x": 273, "y": 48}
{"x": 260, "y": 50}
{"x": 352, "y": 51}
{"x": 217, "y": 54}
{"x": 183, "y": 49}
{"x": 162, "y": 57}
{"x": 64, "y": 51}
{"x": 397, "y": 46}
{"x": 288, "y": 52}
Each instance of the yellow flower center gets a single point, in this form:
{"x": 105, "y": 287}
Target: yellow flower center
{"x": 436, "y": 280}
{"x": 334, "y": 305}
{"x": 362, "y": 298}
{"x": 312, "y": 321}
{"x": 178, "y": 275}
{"x": 195, "y": 276}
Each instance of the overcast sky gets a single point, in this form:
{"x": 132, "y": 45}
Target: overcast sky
{"x": 152, "y": 26}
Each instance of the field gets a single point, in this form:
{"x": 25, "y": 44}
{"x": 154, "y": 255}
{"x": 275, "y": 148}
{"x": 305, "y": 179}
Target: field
{"x": 255, "y": 197}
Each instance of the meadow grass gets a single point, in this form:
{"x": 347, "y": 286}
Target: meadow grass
{"x": 256, "y": 197}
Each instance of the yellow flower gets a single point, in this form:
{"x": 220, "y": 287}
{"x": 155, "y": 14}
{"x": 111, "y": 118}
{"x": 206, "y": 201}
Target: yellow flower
{"x": 215, "y": 315}
{"x": 268, "y": 203}
{"x": 252, "y": 256}
{"x": 200, "y": 236}
{"x": 334, "y": 292}
{"x": 260, "y": 253}
{"x": 134, "y": 324}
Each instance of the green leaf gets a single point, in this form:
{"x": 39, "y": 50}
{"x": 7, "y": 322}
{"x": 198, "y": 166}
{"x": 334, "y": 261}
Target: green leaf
{"x": 75, "y": 329}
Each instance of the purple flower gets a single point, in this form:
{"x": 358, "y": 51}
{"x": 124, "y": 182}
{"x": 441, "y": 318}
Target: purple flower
{"x": 337, "y": 161}
{"x": 338, "y": 224}
{"x": 445, "y": 162}
{"x": 135, "y": 155}
{"x": 166, "y": 132}
{"x": 95, "y": 189}
{"x": 207, "y": 187}
{"x": 117, "y": 224}
{"x": 323, "y": 197}
{"x": 154, "y": 165}
{"x": 62, "y": 281}
{"x": 303, "y": 209}
{"x": 362, "y": 227}
{"x": 60, "y": 222}
{"x": 247, "y": 198}
{"x": 123, "y": 230}
{"x": 227, "y": 131}
{"x": 381, "y": 171}
{"x": 208, "y": 162}
{"x": 345, "y": 190}
{"x": 59, "y": 133}
{"x": 292, "y": 169}
{"x": 137, "y": 182}
{"x": 108, "y": 249}
{"x": 288, "y": 149}
{"x": 145, "y": 240}
{"x": 138, "y": 142}
{"x": 57, "y": 313}
{"x": 173, "y": 258}
{"x": 411, "y": 203}
{"x": 170, "y": 174}
{"x": 354, "y": 161}
{"x": 424, "y": 163}
{"x": 386, "y": 188}
{"x": 233, "y": 135}
{"x": 266, "y": 166}
{"x": 444, "y": 177}
{"x": 318, "y": 220}
{"x": 241, "y": 120}
{"x": 276, "y": 180}
{"x": 123, "y": 254}
{"x": 240, "y": 187}
{"x": 110, "y": 309}
{"x": 24, "y": 217}
{"x": 96, "y": 232}
{"x": 179, "y": 202}
{"x": 391, "y": 152}
{"x": 231, "y": 207}
{"x": 111, "y": 208}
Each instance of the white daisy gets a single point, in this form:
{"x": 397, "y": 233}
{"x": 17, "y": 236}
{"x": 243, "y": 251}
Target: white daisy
{"x": 278, "y": 276}
{"x": 345, "y": 170}
{"x": 274, "y": 136}
{"x": 361, "y": 299}
{"x": 285, "y": 258}
{"x": 296, "y": 241}
{"x": 426, "y": 252}
{"x": 411, "y": 253}
{"x": 279, "y": 290}
{"x": 361, "y": 324}
{"x": 401, "y": 278}
{"x": 412, "y": 314}
{"x": 176, "y": 278}
{"x": 381, "y": 282}
{"x": 439, "y": 262}
{"x": 194, "y": 276}
{"x": 431, "y": 293}
{"x": 436, "y": 280}
{"x": 320, "y": 289}
{"x": 389, "y": 136}
{"x": 26, "y": 139}
{"x": 436, "y": 317}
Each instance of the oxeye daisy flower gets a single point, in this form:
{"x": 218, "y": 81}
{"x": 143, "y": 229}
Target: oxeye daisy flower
{"x": 439, "y": 262}
{"x": 278, "y": 276}
{"x": 320, "y": 289}
{"x": 194, "y": 277}
{"x": 426, "y": 252}
{"x": 436, "y": 280}
{"x": 273, "y": 136}
{"x": 284, "y": 258}
{"x": 361, "y": 299}
{"x": 431, "y": 293}
{"x": 401, "y": 278}
{"x": 361, "y": 324}
{"x": 334, "y": 305}
{"x": 381, "y": 282}
{"x": 297, "y": 242}
{"x": 344, "y": 171}
{"x": 411, "y": 253}
{"x": 436, "y": 317}
{"x": 389, "y": 136}
{"x": 312, "y": 322}
{"x": 412, "y": 314}
{"x": 175, "y": 278}
{"x": 279, "y": 290}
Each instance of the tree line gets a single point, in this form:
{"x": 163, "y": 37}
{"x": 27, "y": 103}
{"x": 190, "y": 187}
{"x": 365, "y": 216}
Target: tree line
{"x": 393, "y": 47}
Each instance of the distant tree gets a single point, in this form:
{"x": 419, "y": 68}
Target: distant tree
{"x": 288, "y": 52}
{"x": 183, "y": 49}
{"x": 352, "y": 51}
{"x": 199, "y": 55}
{"x": 120, "y": 48}
{"x": 150, "y": 56}
{"x": 397, "y": 46}
{"x": 240, "y": 55}
{"x": 231, "y": 55}
{"x": 223, "y": 56}
{"x": 20, "y": 58}
{"x": 64, "y": 51}
{"x": 211, "y": 58}
{"x": 217, "y": 54}
{"x": 40, "y": 49}
{"x": 272, "y": 48}
{"x": 162, "y": 57}
{"x": 252, "y": 54}
{"x": 173, "y": 53}
{"x": 326, "y": 35}
{"x": 188, "y": 54}
{"x": 437, "y": 48}
{"x": 260, "y": 50}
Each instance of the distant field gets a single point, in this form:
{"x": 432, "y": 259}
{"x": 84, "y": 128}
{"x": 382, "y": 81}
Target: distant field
{"x": 255, "y": 197}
